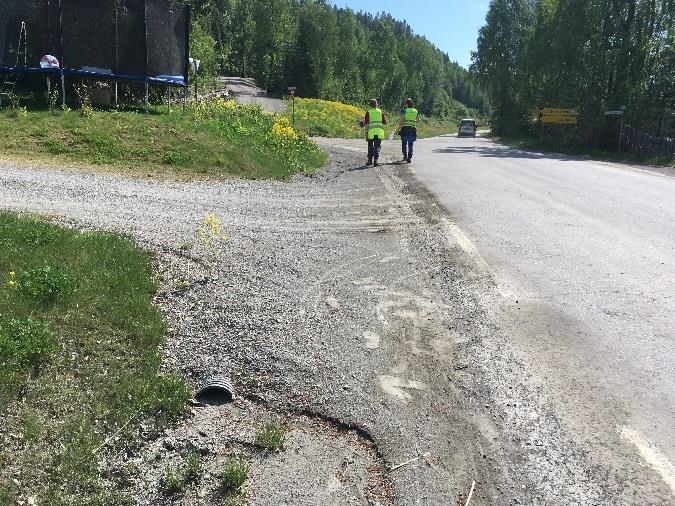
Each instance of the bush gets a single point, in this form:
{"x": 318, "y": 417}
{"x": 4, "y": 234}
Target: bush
{"x": 45, "y": 285}
{"x": 26, "y": 342}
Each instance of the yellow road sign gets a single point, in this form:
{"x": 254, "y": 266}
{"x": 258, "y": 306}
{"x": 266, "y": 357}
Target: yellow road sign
{"x": 565, "y": 120}
{"x": 552, "y": 111}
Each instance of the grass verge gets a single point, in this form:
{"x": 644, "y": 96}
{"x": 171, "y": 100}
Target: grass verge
{"x": 212, "y": 139}
{"x": 325, "y": 118}
{"x": 79, "y": 359}
{"x": 529, "y": 144}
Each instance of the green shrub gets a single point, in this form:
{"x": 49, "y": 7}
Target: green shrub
{"x": 45, "y": 285}
{"x": 265, "y": 135}
{"x": 271, "y": 435}
{"x": 26, "y": 342}
{"x": 234, "y": 475}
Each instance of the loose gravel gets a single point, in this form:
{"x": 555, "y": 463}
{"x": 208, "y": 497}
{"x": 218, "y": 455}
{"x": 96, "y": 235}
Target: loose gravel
{"x": 337, "y": 303}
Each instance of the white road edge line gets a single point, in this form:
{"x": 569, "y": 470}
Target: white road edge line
{"x": 651, "y": 455}
{"x": 467, "y": 245}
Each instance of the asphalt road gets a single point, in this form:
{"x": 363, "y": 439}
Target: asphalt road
{"x": 583, "y": 257}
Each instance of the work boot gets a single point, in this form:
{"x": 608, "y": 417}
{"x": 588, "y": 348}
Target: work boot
{"x": 375, "y": 163}
{"x": 405, "y": 157}
{"x": 369, "y": 162}
{"x": 409, "y": 160}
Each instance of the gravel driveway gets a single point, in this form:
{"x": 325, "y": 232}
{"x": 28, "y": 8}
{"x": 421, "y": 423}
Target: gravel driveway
{"x": 245, "y": 91}
{"x": 337, "y": 303}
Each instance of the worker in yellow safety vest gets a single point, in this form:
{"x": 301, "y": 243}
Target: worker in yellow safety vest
{"x": 408, "y": 129}
{"x": 374, "y": 124}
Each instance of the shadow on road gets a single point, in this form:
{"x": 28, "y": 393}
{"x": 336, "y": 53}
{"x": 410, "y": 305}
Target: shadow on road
{"x": 382, "y": 164}
{"x": 503, "y": 152}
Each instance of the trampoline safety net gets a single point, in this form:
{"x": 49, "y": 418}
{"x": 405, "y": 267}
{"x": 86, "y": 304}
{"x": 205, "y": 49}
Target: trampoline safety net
{"x": 116, "y": 39}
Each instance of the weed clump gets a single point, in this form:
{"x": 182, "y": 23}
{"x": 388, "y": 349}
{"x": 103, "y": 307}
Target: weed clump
{"x": 26, "y": 342}
{"x": 175, "y": 480}
{"x": 234, "y": 476}
{"x": 45, "y": 285}
{"x": 172, "y": 482}
{"x": 271, "y": 435}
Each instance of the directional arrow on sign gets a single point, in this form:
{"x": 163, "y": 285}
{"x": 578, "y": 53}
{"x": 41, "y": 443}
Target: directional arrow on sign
{"x": 552, "y": 111}
{"x": 565, "y": 120}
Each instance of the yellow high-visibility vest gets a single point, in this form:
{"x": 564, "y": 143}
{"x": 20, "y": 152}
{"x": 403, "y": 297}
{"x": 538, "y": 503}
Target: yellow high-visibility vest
{"x": 375, "y": 124}
{"x": 410, "y": 117}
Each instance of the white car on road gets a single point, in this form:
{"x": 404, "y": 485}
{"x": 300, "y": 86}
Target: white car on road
{"x": 467, "y": 128}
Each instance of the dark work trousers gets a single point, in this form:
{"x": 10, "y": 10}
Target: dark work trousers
{"x": 408, "y": 138}
{"x": 374, "y": 146}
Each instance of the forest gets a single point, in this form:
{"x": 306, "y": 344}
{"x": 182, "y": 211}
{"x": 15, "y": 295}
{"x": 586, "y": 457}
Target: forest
{"x": 591, "y": 55}
{"x": 331, "y": 53}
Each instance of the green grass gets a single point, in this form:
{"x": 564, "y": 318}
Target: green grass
{"x": 599, "y": 154}
{"x": 324, "y": 118}
{"x": 432, "y": 127}
{"x": 271, "y": 435}
{"x": 79, "y": 358}
{"x": 206, "y": 141}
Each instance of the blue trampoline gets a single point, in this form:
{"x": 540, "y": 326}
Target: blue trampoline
{"x": 119, "y": 40}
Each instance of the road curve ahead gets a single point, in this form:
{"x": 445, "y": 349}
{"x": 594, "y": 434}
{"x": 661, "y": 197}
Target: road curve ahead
{"x": 583, "y": 256}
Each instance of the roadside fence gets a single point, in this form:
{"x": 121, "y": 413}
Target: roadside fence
{"x": 646, "y": 144}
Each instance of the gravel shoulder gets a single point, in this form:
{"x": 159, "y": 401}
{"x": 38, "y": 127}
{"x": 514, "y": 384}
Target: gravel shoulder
{"x": 337, "y": 303}
{"x": 245, "y": 91}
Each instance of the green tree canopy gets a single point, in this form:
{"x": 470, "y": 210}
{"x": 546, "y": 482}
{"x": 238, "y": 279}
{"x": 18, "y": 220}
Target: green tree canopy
{"x": 333, "y": 53}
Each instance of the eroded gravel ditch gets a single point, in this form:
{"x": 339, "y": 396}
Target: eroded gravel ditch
{"x": 335, "y": 304}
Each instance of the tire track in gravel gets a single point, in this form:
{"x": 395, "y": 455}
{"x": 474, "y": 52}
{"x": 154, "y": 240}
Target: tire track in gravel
{"x": 253, "y": 307}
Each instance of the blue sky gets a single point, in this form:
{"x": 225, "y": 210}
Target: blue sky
{"x": 452, "y": 25}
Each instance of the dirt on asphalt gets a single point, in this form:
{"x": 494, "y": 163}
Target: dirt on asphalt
{"x": 337, "y": 304}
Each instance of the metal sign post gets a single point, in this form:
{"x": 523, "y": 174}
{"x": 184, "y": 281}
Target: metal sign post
{"x": 291, "y": 92}
{"x": 195, "y": 67}
{"x": 621, "y": 113}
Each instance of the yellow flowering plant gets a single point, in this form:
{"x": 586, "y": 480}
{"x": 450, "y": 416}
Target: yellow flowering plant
{"x": 210, "y": 230}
